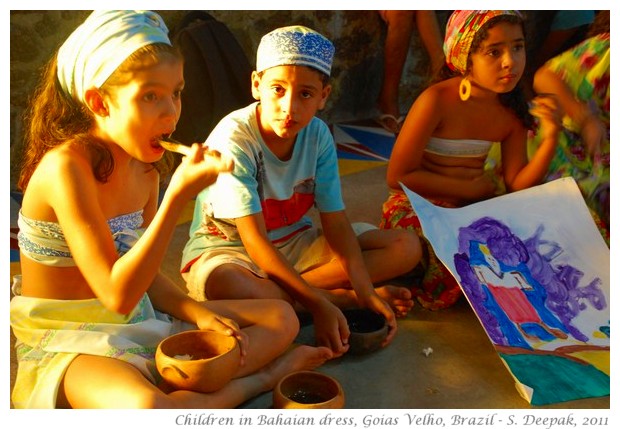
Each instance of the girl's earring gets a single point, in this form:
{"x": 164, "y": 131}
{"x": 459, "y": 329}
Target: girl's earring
{"x": 465, "y": 89}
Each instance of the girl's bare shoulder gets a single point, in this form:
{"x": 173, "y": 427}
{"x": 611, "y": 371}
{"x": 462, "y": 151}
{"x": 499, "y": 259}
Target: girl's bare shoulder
{"x": 65, "y": 158}
{"x": 60, "y": 169}
{"x": 441, "y": 94}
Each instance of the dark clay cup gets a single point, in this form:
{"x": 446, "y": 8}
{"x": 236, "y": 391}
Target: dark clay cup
{"x": 368, "y": 330}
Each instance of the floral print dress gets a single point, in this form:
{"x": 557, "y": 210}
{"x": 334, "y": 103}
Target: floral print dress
{"x": 585, "y": 69}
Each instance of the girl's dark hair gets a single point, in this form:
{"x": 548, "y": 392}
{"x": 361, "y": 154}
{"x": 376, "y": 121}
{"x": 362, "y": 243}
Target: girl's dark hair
{"x": 54, "y": 117}
{"x": 600, "y": 24}
{"x": 515, "y": 99}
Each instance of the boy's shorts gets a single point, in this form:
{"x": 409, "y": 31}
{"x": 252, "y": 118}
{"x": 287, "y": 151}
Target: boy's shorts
{"x": 306, "y": 250}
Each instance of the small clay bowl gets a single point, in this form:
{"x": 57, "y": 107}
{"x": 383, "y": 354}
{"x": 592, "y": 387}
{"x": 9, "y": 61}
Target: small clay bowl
{"x": 368, "y": 330}
{"x": 308, "y": 389}
{"x": 202, "y": 361}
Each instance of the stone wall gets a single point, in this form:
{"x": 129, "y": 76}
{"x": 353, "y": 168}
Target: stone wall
{"x": 356, "y": 76}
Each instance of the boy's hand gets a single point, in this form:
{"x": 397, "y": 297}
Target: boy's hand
{"x": 331, "y": 328}
{"x": 375, "y": 303}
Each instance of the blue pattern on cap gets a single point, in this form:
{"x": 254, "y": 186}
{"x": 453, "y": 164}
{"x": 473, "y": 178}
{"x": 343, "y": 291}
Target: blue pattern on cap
{"x": 295, "y": 45}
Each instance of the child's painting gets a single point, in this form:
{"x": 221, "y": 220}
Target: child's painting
{"x": 536, "y": 271}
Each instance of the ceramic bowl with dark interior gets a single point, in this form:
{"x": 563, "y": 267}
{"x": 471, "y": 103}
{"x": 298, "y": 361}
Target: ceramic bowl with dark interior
{"x": 368, "y": 330}
{"x": 308, "y": 389}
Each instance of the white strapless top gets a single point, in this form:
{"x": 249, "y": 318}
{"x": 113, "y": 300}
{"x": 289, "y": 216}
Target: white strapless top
{"x": 458, "y": 148}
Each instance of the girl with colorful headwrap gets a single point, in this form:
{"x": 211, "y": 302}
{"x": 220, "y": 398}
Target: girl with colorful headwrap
{"x": 475, "y": 107}
{"x": 92, "y": 305}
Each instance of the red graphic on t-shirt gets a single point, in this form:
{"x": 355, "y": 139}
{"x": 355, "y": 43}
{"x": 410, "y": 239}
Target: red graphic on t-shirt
{"x": 279, "y": 213}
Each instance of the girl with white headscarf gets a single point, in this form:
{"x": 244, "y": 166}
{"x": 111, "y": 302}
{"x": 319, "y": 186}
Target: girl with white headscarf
{"x": 92, "y": 305}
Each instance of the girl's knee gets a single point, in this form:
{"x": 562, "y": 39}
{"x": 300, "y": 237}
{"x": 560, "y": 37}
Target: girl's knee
{"x": 152, "y": 399}
{"x": 103, "y": 382}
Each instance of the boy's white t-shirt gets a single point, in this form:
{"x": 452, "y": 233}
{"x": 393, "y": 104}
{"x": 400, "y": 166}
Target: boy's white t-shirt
{"x": 283, "y": 190}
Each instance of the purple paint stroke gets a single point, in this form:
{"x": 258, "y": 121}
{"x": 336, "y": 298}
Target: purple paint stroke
{"x": 566, "y": 298}
{"x": 562, "y": 294}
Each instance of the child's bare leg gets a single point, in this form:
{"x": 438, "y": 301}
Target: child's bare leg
{"x": 399, "y": 29}
{"x": 387, "y": 254}
{"x": 102, "y": 382}
{"x": 271, "y": 325}
{"x": 399, "y": 298}
{"x": 232, "y": 281}
{"x": 236, "y": 392}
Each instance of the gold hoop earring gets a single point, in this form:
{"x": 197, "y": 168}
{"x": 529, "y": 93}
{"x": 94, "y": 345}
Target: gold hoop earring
{"x": 465, "y": 89}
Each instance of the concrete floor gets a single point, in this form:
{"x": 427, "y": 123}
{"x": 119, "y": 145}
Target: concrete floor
{"x": 462, "y": 372}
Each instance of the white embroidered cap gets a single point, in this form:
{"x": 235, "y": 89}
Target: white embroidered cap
{"x": 295, "y": 45}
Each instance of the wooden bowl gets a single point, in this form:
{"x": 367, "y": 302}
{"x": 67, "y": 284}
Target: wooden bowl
{"x": 368, "y": 330}
{"x": 308, "y": 389}
{"x": 202, "y": 361}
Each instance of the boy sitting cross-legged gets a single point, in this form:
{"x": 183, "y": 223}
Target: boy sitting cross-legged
{"x": 251, "y": 236}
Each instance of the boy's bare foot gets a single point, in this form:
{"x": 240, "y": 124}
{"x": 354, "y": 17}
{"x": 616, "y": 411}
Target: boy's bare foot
{"x": 297, "y": 358}
{"x": 398, "y": 297}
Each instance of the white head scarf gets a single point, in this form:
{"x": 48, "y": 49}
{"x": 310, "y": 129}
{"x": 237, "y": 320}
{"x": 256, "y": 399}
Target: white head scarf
{"x": 97, "y": 47}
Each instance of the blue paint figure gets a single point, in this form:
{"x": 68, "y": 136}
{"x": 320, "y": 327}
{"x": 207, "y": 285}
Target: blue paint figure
{"x": 512, "y": 290}
{"x": 515, "y": 288}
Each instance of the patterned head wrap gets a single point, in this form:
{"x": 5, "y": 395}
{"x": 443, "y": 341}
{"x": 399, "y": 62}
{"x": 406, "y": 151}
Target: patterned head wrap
{"x": 97, "y": 47}
{"x": 460, "y": 31}
{"x": 295, "y": 45}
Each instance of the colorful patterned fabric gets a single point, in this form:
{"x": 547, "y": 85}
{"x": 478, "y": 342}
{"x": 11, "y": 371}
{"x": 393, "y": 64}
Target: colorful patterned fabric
{"x": 295, "y": 45}
{"x": 586, "y": 70}
{"x": 51, "y": 333}
{"x": 104, "y": 40}
{"x": 45, "y": 242}
{"x": 460, "y": 31}
{"x": 438, "y": 289}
